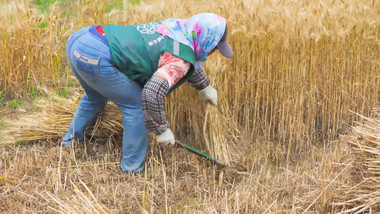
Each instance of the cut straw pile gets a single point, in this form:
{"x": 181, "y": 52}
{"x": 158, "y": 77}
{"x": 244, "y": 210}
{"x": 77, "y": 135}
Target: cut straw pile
{"x": 53, "y": 122}
{"x": 363, "y": 193}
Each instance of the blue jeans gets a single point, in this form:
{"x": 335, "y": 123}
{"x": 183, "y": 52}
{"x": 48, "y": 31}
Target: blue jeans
{"x": 90, "y": 61}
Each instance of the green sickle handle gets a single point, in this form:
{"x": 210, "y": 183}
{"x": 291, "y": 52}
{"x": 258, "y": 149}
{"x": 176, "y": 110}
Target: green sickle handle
{"x": 199, "y": 153}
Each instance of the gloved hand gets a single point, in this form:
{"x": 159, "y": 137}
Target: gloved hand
{"x": 210, "y": 94}
{"x": 166, "y": 137}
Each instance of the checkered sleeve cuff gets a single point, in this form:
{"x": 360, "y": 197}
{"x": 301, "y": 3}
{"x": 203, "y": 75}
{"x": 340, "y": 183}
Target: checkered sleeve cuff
{"x": 153, "y": 100}
{"x": 199, "y": 80}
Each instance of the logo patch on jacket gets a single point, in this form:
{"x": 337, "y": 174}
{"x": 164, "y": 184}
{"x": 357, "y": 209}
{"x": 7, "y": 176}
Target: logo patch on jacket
{"x": 148, "y": 28}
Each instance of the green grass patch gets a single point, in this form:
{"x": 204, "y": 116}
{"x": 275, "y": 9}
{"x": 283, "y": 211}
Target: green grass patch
{"x": 15, "y": 103}
{"x": 2, "y": 128}
{"x": 43, "y": 24}
{"x": 62, "y": 73}
{"x": 69, "y": 13}
{"x": 118, "y": 4}
{"x": 63, "y": 92}
{"x": 34, "y": 92}
{"x": 43, "y": 6}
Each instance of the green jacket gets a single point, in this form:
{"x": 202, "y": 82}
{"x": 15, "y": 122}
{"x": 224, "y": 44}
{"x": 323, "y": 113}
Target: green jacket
{"x": 136, "y": 50}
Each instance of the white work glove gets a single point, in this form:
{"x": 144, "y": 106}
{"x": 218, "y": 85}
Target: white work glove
{"x": 166, "y": 137}
{"x": 210, "y": 94}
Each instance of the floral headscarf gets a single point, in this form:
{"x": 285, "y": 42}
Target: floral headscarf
{"x": 202, "y": 32}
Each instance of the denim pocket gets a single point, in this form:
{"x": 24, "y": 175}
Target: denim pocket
{"x": 86, "y": 64}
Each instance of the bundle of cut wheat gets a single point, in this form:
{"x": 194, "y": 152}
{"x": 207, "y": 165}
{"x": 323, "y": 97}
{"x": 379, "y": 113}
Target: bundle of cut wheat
{"x": 363, "y": 193}
{"x": 54, "y": 120}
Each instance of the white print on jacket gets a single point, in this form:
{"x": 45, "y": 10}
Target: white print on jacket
{"x": 156, "y": 41}
{"x": 148, "y": 28}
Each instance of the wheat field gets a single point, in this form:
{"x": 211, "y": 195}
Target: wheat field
{"x": 297, "y": 121}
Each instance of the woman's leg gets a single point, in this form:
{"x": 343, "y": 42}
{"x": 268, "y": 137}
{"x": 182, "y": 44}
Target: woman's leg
{"x": 135, "y": 138}
{"x": 85, "y": 115}
{"x": 92, "y": 101}
{"x": 127, "y": 95}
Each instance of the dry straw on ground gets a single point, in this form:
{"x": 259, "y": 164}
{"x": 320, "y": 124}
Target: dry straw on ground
{"x": 299, "y": 67}
{"x": 52, "y": 123}
{"x": 363, "y": 194}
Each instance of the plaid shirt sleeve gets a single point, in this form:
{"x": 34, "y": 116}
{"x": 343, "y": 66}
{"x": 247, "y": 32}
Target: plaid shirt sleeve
{"x": 199, "y": 80}
{"x": 153, "y": 100}
{"x": 153, "y": 96}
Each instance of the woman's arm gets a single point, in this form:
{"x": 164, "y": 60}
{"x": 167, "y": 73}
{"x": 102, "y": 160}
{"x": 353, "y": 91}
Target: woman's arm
{"x": 202, "y": 83}
{"x": 199, "y": 80}
{"x": 153, "y": 100}
{"x": 170, "y": 70}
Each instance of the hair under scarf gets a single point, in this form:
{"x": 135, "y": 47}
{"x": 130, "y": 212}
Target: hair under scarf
{"x": 202, "y": 32}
